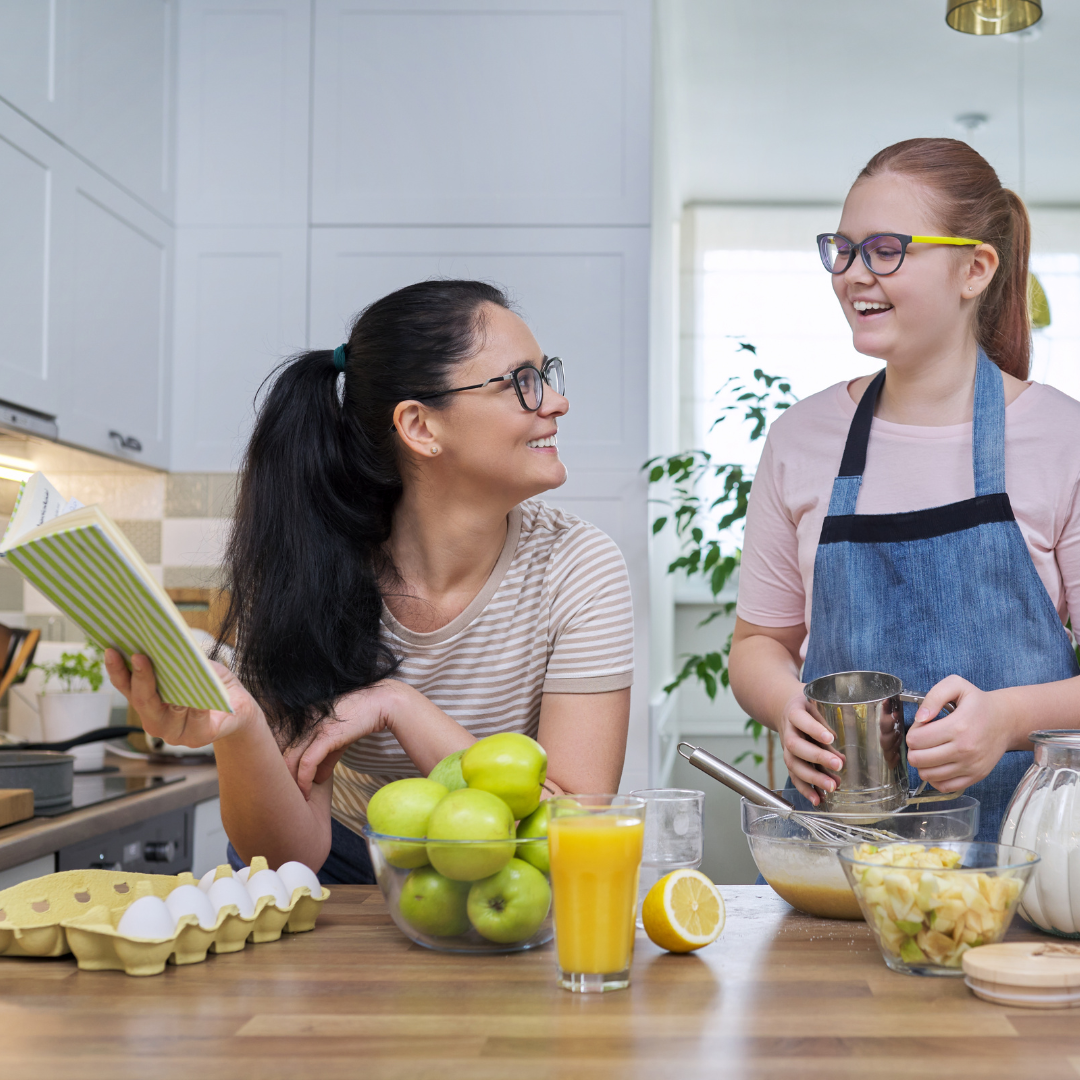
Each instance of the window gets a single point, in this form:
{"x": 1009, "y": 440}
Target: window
{"x": 1055, "y": 353}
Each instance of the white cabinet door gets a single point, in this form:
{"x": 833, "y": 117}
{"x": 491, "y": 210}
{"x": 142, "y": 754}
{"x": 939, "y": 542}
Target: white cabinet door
{"x": 34, "y": 172}
{"x": 240, "y": 310}
{"x": 99, "y": 76}
{"x": 487, "y": 112}
{"x": 84, "y": 274}
{"x": 114, "y": 346}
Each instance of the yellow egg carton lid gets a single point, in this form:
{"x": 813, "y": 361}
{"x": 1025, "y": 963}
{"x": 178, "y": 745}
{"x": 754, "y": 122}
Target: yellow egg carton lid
{"x": 78, "y": 911}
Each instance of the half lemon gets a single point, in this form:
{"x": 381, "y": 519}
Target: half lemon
{"x": 683, "y": 911}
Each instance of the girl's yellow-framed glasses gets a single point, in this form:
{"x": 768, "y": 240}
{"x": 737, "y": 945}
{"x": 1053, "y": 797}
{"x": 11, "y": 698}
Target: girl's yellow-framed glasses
{"x": 882, "y": 253}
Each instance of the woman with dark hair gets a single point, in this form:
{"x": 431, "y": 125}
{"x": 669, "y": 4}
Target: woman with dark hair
{"x": 397, "y": 591}
{"x": 922, "y": 521}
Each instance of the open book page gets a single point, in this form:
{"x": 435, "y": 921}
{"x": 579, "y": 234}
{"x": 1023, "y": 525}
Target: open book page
{"x": 38, "y": 502}
{"x": 82, "y": 562}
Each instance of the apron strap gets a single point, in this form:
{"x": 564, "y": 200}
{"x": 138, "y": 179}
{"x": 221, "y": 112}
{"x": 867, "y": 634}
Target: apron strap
{"x": 988, "y": 428}
{"x": 987, "y": 438}
{"x": 845, "y": 492}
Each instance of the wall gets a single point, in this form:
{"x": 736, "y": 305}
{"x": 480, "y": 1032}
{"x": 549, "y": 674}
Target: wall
{"x": 176, "y": 522}
{"x": 332, "y": 151}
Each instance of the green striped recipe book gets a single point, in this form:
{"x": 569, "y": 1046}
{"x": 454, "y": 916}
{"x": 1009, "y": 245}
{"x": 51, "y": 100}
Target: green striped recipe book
{"x": 77, "y": 558}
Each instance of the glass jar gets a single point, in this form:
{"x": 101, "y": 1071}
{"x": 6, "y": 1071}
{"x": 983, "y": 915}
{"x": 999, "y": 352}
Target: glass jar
{"x": 1044, "y": 815}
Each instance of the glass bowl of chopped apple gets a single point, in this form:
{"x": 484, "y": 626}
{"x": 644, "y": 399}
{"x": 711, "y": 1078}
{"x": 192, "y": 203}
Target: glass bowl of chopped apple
{"x": 928, "y": 904}
{"x": 465, "y": 896}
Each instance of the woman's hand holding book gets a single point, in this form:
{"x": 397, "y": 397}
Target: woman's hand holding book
{"x": 177, "y": 724}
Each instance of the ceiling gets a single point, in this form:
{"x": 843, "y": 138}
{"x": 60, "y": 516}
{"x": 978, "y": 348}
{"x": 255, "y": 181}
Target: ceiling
{"x": 785, "y": 100}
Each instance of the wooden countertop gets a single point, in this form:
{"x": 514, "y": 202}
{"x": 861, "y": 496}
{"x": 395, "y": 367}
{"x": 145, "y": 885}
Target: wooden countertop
{"x": 780, "y": 995}
{"x": 39, "y": 836}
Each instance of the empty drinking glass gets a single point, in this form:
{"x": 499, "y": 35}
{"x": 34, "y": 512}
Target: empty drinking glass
{"x": 673, "y": 835}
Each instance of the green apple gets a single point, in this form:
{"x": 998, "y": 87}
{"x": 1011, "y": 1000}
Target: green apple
{"x": 470, "y": 814}
{"x": 510, "y": 906}
{"x": 536, "y": 824}
{"x": 509, "y": 765}
{"x": 402, "y": 808}
{"x": 433, "y": 904}
{"x": 448, "y": 772}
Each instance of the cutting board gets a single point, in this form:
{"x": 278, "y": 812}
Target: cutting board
{"x": 16, "y": 804}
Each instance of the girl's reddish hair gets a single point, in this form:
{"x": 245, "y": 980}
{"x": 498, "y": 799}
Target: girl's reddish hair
{"x": 970, "y": 201}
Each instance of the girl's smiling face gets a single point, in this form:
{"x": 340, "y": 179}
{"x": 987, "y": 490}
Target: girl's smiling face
{"x": 927, "y": 306}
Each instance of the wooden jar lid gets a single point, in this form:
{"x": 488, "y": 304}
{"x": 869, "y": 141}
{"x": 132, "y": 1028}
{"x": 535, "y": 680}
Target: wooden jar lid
{"x": 1032, "y": 974}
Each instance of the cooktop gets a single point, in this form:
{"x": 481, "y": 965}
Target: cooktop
{"x": 89, "y": 789}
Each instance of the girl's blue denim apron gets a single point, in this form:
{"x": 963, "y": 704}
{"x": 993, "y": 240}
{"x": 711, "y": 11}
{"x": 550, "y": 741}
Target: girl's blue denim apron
{"x": 930, "y": 593}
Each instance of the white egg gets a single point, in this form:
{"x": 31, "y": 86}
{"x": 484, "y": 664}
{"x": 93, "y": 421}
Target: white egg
{"x": 228, "y": 890}
{"x": 189, "y": 900}
{"x": 208, "y": 879}
{"x": 242, "y": 875}
{"x": 267, "y": 883}
{"x": 295, "y": 874}
{"x": 147, "y": 917}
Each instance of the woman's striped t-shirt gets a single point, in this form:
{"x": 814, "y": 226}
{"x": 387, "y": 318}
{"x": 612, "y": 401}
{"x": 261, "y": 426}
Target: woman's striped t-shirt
{"x": 554, "y": 617}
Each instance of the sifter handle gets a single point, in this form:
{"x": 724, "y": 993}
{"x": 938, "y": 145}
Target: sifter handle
{"x": 730, "y": 777}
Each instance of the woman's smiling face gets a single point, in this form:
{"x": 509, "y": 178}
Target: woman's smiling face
{"x": 926, "y": 305}
{"x": 485, "y": 435}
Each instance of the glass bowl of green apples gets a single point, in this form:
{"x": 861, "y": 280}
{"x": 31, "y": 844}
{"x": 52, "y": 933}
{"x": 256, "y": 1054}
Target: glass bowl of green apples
{"x": 461, "y": 856}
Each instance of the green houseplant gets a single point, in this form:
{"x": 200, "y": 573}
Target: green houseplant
{"x": 704, "y": 500}
{"x": 77, "y": 705}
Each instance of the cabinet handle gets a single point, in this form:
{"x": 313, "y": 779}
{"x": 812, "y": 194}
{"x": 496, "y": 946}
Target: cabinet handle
{"x": 159, "y": 851}
{"x": 126, "y": 442}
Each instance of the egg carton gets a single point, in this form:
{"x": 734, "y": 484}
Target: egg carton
{"x": 79, "y": 911}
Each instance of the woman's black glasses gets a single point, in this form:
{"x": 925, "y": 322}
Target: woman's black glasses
{"x": 528, "y": 382}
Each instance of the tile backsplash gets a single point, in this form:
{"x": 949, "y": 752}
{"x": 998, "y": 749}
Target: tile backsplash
{"x": 177, "y": 522}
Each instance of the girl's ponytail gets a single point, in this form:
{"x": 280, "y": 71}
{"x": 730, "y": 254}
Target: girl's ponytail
{"x": 1003, "y": 321}
{"x": 971, "y": 202}
{"x": 307, "y": 562}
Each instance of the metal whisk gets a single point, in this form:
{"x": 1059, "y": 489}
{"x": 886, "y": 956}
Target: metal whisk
{"x": 823, "y": 829}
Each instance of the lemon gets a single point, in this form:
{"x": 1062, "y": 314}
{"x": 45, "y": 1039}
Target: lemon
{"x": 683, "y": 911}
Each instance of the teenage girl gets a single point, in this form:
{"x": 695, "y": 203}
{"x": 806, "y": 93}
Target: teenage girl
{"x": 923, "y": 521}
{"x": 397, "y": 590}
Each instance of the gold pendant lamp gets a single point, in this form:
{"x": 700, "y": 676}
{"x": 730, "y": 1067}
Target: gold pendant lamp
{"x": 992, "y": 16}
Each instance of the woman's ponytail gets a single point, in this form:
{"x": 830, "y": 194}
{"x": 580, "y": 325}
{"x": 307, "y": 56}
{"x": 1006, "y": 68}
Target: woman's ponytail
{"x": 307, "y": 562}
{"x": 970, "y": 201}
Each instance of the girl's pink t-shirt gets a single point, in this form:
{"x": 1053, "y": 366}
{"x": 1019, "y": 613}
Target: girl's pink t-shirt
{"x": 907, "y": 468}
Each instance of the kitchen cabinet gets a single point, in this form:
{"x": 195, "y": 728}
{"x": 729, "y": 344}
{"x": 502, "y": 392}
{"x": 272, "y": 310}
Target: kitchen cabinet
{"x": 114, "y": 344}
{"x": 34, "y": 171}
{"x": 84, "y": 272}
{"x": 98, "y": 75}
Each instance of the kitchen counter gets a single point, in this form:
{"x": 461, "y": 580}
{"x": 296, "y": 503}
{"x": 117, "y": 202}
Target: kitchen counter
{"x": 27, "y": 840}
{"x": 780, "y": 995}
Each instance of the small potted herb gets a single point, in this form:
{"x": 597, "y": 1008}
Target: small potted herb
{"x": 73, "y": 702}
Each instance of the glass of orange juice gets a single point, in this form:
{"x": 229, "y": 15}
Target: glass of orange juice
{"x": 595, "y": 843}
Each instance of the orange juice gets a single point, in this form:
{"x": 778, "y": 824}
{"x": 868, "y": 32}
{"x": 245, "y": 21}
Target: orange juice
{"x": 595, "y": 861}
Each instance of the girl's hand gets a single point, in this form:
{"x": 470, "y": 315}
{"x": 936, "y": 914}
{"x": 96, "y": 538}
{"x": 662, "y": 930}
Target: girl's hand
{"x": 804, "y": 740}
{"x": 177, "y": 724}
{"x": 357, "y": 714}
{"x": 964, "y": 746}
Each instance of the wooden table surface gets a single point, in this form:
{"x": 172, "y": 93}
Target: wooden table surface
{"x": 779, "y": 995}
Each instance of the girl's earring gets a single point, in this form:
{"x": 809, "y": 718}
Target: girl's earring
{"x": 434, "y": 449}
